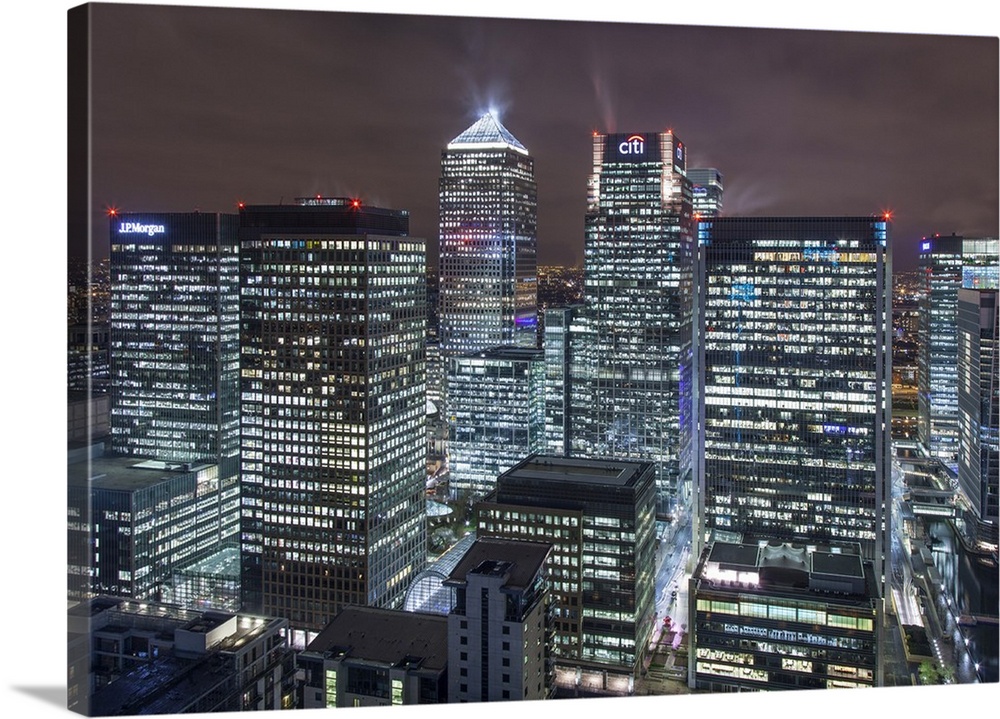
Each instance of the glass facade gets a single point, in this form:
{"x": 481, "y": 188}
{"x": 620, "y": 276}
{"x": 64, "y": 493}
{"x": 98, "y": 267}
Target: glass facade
{"x": 979, "y": 408}
{"x": 496, "y": 402}
{"x": 334, "y": 448}
{"x": 794, "y": 373}
{"x": 706, "y": 191}
{"x": 174, "y": 336}
{"x": 488, "y": 208}
{"x": 755, "y": 634}
{"x": 599, "y": 517}
{"x": 937, "y": 363}
{"x": 558, "y": 379}
{"x": 632, "y": 375}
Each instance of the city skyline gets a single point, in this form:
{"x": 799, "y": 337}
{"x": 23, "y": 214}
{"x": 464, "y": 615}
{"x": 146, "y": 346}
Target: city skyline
{"x": 798, "y": 122}
{"x": 910, "y": 242}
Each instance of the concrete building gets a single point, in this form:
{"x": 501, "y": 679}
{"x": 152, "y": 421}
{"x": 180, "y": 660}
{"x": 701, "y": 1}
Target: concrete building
{"x": 334, "y": 443}
{"x": 377, "y": 657}
{"x": 779, "y": 615}
{"x": 132, "y": 657}
{"x": 599, "y": 517}
{"x": 498, "y": 629}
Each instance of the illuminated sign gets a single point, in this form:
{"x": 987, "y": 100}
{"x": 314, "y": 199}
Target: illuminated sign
{"x": 634, "y": 145}
{"x": 679, "y": 152}
{"x": 925, "y": 247}
{"x": 137, "y": 228}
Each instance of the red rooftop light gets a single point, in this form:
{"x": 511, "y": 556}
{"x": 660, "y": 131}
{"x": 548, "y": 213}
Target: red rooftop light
{"x": 356, "y": 203}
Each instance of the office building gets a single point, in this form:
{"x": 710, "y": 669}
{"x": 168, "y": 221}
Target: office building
{"x": 131, "y": 657}
{"x": 496, "y": 402}
{"x": 794, "y": 368}
{"x": 498, "y": 628}
{"x": 174, "y": 337}
{"x": 636, "y": 352}
{"x": 937, "y": 392}
{"x": 377, "y": 657}
{"x": 979, "y": 412}
{"x": 706, "y": 191}
{"x": 334, "y": 445}
{"x": 133, "y": 523}
{"x": 773, "y": 616}
{"x": 599, "y": 517}
{"x": 558, "y": 345}
{"x": 488, "y": 208}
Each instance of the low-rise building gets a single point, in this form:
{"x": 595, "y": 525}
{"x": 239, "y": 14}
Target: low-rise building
{"x": 377, "y": 657}
{"x": 772, "y": 616}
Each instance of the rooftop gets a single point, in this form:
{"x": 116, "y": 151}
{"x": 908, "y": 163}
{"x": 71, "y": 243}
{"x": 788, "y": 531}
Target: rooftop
{"x": 523, "y": 561}
{"x": 387, "y": 636}
{"x": 487, "y": 132}
{"x": 132, "y": 473}
{"x": 551, "y": 468}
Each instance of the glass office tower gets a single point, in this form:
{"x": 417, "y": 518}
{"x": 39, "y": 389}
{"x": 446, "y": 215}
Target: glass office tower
{"x": 333, "y": 402}
{"x": 174, "y": 336}
{"x": 497, "y": 401}
{"x": 706, "y": 191}
{"x": 937, "y": 362}
{"x": 632, "y": 394}
{"x": 488, "y": 208}
{"x": 979, "y": 411}
{"x": 794, "y": 369}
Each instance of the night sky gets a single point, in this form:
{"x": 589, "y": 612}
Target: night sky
{"x": 201, "y": 108}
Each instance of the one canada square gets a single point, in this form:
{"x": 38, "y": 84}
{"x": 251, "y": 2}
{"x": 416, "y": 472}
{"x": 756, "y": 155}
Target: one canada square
{"x": 488, "y": 209}
{"x": 793, "y": 335}
{"x": 632, "y": 364}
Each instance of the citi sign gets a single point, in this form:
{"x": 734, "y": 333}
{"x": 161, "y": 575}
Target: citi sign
{"x": 136, "y": 228}
{"x": 635, "y": 145}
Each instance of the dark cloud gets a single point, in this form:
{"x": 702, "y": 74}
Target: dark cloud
{"x": 205, "y": 107}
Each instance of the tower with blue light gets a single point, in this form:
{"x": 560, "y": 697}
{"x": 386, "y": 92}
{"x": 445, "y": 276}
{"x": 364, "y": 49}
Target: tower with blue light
{"x": 632, "y": 368}
{"x": 793, "y": 369}
{"x": 488, "y": 210}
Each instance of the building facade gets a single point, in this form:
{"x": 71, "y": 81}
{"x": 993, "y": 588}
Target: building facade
{"x": 147, "y": 658}
{"x": 174, "y": 337}
{"x": 488, "y": 263}
{"x": 599, "y": 517}
{"x": 334, "y": 447}
{"x": 377, "y": 657}
{"x": 558, "y": 344}
{"x": 498, "y": 633}
{"x": 937, "y": 367}
{"x": 133, "y": 523}
{"x": 497, "y": 414}
{"x": 634, "y": 399}
{"x": 794, "y": 367}
{"x": 706, "y": 191}
{"x": 979, "y": 411}
{"x": 774, "y": 616}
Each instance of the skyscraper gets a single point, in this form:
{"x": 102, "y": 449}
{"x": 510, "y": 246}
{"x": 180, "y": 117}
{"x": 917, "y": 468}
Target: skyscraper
{"x": 632, "y": 393}
{"x": 937, "y": 378}
{"x": 599, "y": 516}
{"x": 497, "y": 408}
{"x": 333, "y": 403}
{"x": 174, "y": 336}
{"x": 794, "y": 367}
{"x": 706, "y": 191}
{"x": 488, "y": 208}
{"x": 979, "y": 411}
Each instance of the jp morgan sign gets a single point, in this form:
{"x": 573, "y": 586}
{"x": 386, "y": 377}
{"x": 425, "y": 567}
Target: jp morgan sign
{"x": 137, "y": 228}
